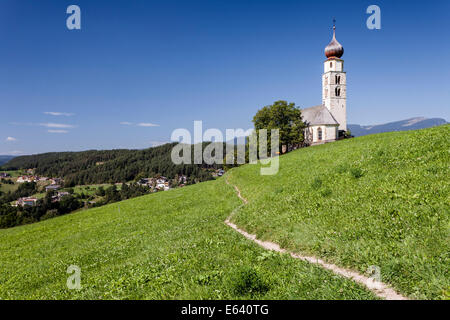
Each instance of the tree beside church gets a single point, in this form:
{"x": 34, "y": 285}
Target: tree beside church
{"x": 283, "y": 116}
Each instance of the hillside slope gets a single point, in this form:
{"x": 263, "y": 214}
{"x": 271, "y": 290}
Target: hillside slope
{"x": 169, "y": 245}
{"x": 380, "y": 200}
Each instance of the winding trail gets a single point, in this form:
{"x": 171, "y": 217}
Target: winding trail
{"x": 380, "y": 289}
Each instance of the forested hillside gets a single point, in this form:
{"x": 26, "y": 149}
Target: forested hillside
{"x": 108, "y": 166}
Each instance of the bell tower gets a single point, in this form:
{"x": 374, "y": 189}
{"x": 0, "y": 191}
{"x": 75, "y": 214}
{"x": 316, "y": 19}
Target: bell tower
{"x": 334, "y": 82}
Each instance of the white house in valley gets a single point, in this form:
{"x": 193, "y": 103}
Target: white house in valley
{"x": 325, "y": 122}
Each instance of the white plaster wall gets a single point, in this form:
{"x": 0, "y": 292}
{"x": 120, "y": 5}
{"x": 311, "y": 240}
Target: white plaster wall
{"x": 338, "y": 109}
{"x": 333, "y": 65}
{"x": 336, "y": 104}
{"x": 329, "y": 133}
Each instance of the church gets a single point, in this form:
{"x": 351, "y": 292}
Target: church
{"x": 328, "y": 122}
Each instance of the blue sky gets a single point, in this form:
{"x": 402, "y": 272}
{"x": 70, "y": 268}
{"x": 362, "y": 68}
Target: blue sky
{"x": 164, "y": 64}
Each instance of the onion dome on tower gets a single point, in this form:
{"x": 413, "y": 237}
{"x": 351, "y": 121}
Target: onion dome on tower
{"x": 334, "y": 49}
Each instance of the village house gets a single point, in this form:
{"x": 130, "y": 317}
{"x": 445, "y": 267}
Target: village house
{"x": 63, "y": 194}
{"x": 161, "y": 179}
{"x": 23, "y": 179}
{"x": 145, "y": 181}
{"x": 52, "y": 187}
{"x": 56, "y": 181}
{"x": 148, "y": 182}
{"x": 59, "y": 196}
{"x": 22, "y": 202}
{"x": 160, "y": 186}
{"x": 161, "y": 183}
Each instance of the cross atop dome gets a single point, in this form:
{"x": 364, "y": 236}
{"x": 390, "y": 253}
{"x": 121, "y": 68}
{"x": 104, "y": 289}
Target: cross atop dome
{"x": 334, "y": 49}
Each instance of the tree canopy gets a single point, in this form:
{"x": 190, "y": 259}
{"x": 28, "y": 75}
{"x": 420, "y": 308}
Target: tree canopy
{"x": 283, "y": 116}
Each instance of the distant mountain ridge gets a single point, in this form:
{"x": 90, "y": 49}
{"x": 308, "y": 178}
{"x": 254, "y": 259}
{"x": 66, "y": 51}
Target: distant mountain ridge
{"x": 5, "y": 159}
{"x": 402, "y": 125}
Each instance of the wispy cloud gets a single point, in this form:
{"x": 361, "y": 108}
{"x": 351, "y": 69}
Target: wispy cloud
{"x": 11, "y": 139}
{"x": 157, "y": 143}
{"x": 141, "y": 124}
{"x": 57, "y": 125}
{"x": 46, "y": 124}
{"x": 11, "y": 153}
{"x": 58, "y": 131}
{"x": 58, "y": 114}
{"x": 144, "y": 124}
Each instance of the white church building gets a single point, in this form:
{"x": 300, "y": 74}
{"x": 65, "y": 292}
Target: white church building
{"x": 326, "y": 121}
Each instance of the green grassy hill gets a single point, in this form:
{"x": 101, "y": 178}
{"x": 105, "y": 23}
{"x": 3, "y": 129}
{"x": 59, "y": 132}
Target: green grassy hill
{"x": 170, "y": 245}
{"x": 377, "y": 200}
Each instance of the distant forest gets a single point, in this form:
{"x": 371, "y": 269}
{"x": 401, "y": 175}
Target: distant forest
{"x": 110, "y": 166}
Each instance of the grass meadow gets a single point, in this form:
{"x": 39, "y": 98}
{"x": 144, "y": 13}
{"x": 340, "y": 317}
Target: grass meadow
{"x": 380, "y": 200}
{"x": 168, "y": 245}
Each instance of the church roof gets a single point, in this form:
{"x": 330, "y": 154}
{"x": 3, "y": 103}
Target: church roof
{"x": 318, "y": 115}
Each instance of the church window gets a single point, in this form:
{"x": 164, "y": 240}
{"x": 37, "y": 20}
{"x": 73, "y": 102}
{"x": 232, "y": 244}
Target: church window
{"x": 331, "y": 64}
{"x": 338, "y": 79}
{"x": 319, "y": 134}
{"x": 337, "y": 91}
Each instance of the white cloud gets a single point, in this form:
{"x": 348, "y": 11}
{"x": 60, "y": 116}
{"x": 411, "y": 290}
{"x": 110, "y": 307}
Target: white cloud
{"x": 126, "y": 123}
{"x": 11, "y": 139}
{"x": 58, "y": 131}
{"x": 11, "y": 153}
{"x": 157, "y": 143}
{"x": 65, "y": 114}
{"x": 47, "y": 124}
{"x": 143, "y": 124}
{"x": 56, "y": 125}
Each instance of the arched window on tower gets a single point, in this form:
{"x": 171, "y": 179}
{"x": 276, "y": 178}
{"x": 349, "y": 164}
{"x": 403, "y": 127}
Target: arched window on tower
{"x": 331, "y": 64}
{"x": 338, "y": 79}
{"x": 337, "y": 91}
{"x": 319, "y": 134}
